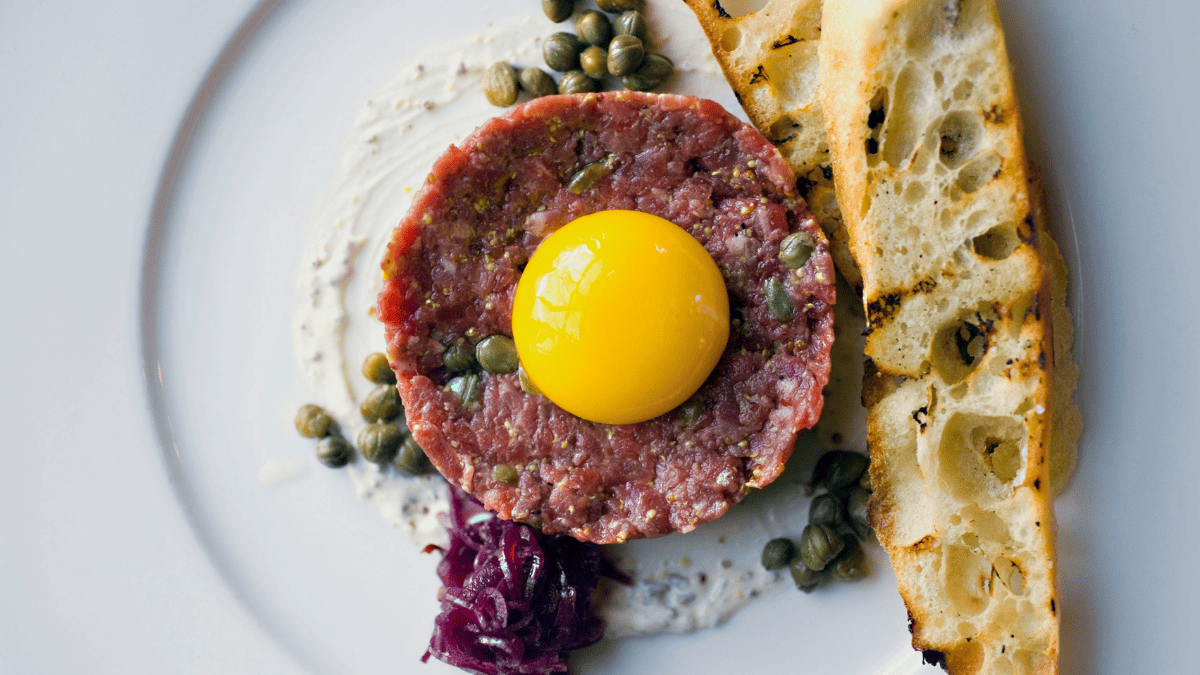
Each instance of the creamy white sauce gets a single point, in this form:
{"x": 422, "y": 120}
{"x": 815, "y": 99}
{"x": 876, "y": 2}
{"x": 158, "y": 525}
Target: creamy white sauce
{"x": 682, "y": 582}
{"x": 276, "y": 471}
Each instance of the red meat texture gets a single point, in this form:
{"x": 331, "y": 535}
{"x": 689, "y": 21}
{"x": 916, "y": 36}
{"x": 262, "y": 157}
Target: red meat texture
{"x": 451, "y": 271}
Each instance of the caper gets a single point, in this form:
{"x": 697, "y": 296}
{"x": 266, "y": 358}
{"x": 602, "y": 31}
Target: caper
{"x": 537, "y": 82}
{"x": 576, "y": 82}
{"x": 526, "y": 382}
{"x": 594, "y": 61}
{"x": 819, "y": 544}
{"x": 779, "y": 303}
{"x": 620, "y": 5}
{"x": 500, "y": 84}
{"x": 468, "y": 388}
{"x": 778, "y": 553}
{"x": 806, "y": 579}
{"x": 376, "y": 369}
{"x": 458, "y": 358}
{"x": 690, "y": 412}
{"x": 561, "y": 51}
{"x": 586, "y": 178}
{"x": 827, "y": 510}
{"x": 312, "y": 421}
{"x": 865, "y": 481}
{"x": 632, "y": 23}
{"x": 497, "y": 354}
{"x": 795, "y": 249}
{"x": 625, "y": 54}
{"x": 411, "y": 459}
{"x": 594, "y": 28}
{"x": 837, "y": 469}
{"x": 381, "y": 405}
{"x": 856, "y": 507}
{"x": 655, "y": 69}
{"x": 503, "y": 473}
{"x": 334, "y": 451}
{"x": 558, "y": 11}
{"x": 851, "y": 564}
{"x": 379, "y": 442}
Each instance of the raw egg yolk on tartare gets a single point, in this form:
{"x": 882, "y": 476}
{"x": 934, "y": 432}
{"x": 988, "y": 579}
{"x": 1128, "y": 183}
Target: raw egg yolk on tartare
{"x": 620, "y": 316}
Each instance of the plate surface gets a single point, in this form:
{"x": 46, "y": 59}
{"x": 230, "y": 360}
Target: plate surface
{"x": 210, "y": 568}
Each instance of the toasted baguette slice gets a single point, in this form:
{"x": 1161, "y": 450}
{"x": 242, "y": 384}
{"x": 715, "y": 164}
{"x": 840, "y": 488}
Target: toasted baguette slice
{"x": 770, "y": 60}
{"x": 945, "y": 225}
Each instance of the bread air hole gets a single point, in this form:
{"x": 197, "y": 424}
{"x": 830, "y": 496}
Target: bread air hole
{"x": 790, "y": 81}
{"x": 979, "y": 172}
{"x": 1009, "y": 573}
{"x": 981, "y": 458}
{"x": 875, "y": 119}
{"x": 960, "y": 132}
{"x": 968, "y": 579}
{"x": 958, "y": 349}
{"x": 783, "y": 129}
{"x": 731, "y": 38}
{"x": 997, "y": 243}
{"x": 988, "y": 528}
{"x": 736, "y": 8}
{"x": 914, "y": 193}
{"x": 903, "y": 129}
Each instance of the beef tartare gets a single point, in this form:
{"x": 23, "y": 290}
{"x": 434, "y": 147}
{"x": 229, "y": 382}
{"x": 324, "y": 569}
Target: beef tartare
{"x": 452, "y": 268}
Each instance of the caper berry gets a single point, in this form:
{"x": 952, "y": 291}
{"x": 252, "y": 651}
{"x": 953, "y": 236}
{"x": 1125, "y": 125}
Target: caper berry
{"x": 594, "y": 61}
{"x": 497, "y": 354}
{"x": 795, "y": 249}
{"x": 468, "y": 388}
{"x": 382, "y": 404}
{"x": 778, "y": 553}
{"x": 379, "y": 442}
{"x": 779, "y": 303}
{"x": 576, "y": 82}
{"x": 837, "y": 469}
{"x": 537, "y": 82}
{"x": 376, "y": 369}
{"x": 558, "y": 11}
{"x": 500, "y": 84}
{"x": 655, "y": 69}
{"x": 690, "y": 412}
{"x": 503, "y": 473}
{"x": 632, "y": 23}
{"x": 615, "y": 6}
{"x": 827, "y": 510}
{"x": 334, "y": 451}
{"x": 411, "y": 459}
{"x": 594, "y": 28}
{"x": 625, "y": 54}
{"x": 806, "y": 579}
{"x": 851, "y": 564}
{"x": 856, "y": 507}
{"x": 312, "y": 421}
{"x": 561, "y": 51}
{"x": 458, "y": 358}
{"x": 588, "y": 176}
{"x": 819, "y": 544}
{"x": 526, "y": 382}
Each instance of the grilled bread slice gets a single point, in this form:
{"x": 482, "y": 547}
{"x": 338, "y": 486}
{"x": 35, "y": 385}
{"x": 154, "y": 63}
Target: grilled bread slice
{"x": 945, "y": 223}
{"x": 770, "y": 60}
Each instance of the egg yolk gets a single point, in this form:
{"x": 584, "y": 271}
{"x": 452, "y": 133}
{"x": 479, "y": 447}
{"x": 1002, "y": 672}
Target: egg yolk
{"x": 620, "y": 316}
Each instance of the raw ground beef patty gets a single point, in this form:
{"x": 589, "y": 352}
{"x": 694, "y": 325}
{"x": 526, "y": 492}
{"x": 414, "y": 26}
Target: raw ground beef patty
{"x": 451, "y": 271}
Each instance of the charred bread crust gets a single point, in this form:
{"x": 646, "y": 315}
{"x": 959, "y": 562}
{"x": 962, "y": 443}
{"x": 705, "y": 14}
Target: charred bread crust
{"x": 962, "y": 286}
{"x": 769, "y": 58}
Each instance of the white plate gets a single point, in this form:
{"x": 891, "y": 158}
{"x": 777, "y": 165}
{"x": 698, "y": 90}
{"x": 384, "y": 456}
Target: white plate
{"x": 331, "y": 587}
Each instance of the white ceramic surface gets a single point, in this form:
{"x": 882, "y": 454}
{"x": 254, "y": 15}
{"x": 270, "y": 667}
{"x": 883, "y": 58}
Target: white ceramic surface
{"x": 157, "y": 163}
